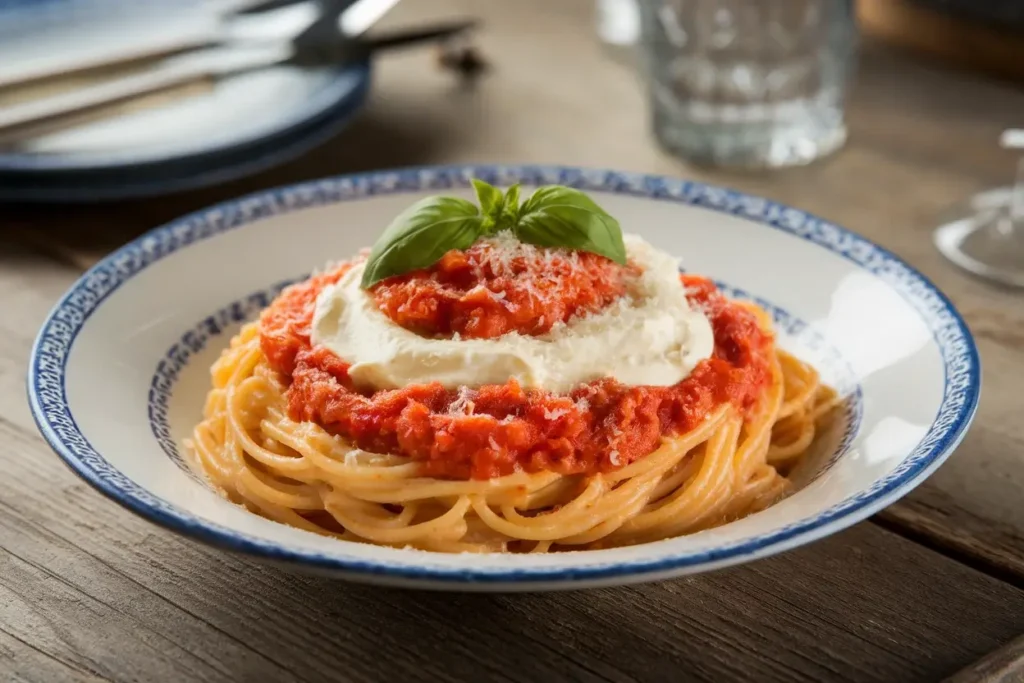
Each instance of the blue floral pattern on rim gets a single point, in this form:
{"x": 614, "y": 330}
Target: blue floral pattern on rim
{"x": 177, "y": 357}
{"x": 47, "y": 367}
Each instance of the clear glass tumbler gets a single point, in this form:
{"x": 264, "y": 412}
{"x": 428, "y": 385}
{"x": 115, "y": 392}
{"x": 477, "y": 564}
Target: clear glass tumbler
{"x": 749, "y": 83}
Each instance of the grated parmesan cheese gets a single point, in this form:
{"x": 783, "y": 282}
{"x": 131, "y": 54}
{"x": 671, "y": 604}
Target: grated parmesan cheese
{"x": 504, "y": 255}
{"x": 555, "y": 414}
{"x": 463, "y": 405}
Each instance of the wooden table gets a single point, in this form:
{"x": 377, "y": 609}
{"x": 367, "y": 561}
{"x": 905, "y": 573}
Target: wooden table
{"x": 923, "y": 590}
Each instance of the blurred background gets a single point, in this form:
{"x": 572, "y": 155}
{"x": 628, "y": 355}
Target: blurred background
{"x": 150, "y": 108}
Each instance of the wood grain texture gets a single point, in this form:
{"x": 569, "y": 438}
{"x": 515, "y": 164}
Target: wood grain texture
{"x": 86, "y": 589}
{"x": 933, "y": 517}
{"x": 956, "y": 41}
{"x": 1005, "y": 665}
{"x": 88, "y": 592}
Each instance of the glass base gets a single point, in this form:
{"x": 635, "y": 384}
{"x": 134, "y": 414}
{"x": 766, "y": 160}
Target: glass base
{"x": 981, "y": 239}
{"x": 751, "y": 146}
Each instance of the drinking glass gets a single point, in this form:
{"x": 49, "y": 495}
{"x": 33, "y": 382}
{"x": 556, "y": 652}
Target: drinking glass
{"x": 986, "y": 235}
{"x": 754, "y": 83}
{"x": 618, "y": 25}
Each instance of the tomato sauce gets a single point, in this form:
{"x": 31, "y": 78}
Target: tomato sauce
{"x": 487, "y": 291}
{"x": 500, "y": 429}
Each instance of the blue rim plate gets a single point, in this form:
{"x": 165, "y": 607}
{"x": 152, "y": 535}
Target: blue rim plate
{"x": 239, "y": 115}
{"x": 133, "y": 182}
{"x": 344, "y": 95}
{"x": 956, "y": 372}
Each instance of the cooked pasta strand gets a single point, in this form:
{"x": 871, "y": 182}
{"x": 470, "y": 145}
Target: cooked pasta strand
{"x": 299, "y": 474}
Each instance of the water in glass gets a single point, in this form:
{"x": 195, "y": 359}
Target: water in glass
{"x": 748, "y": 82}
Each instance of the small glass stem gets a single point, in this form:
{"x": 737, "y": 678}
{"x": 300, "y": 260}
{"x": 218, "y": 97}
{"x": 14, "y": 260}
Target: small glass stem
{"x": 1017, "y": 201}
{"x": 989, "y": 241}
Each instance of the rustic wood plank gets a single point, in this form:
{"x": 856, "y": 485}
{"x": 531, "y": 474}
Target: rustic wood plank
{"x": 935, "y": 518}
{"x": 106, "y": 593}
{"x": 1005, "y": 665}
{"x": 86, "y": 631}
{"x": 23, "y": 662}
{"x": 937, "y": 34}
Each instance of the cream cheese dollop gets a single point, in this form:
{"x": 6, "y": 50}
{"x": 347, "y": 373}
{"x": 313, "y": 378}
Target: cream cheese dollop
{"x": 649, "y": 336}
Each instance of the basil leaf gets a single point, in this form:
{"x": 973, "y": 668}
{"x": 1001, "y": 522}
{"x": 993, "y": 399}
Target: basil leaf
{"x": 421, "y": 235}
{"x": 554, "y": 216}
{"x": 492, "y": 203}
{"x": 491, "y": 198}
{"x": 510, "y": 213}
{"x": 557, "y": 216}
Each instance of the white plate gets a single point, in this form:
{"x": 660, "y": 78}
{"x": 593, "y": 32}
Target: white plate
{"x": 120, "y": 369}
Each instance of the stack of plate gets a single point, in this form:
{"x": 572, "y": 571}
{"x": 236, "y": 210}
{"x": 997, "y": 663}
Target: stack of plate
{"x": 242, "y": 124}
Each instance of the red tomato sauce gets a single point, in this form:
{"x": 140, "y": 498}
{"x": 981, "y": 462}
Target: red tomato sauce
{"x": 486, "y": 291}
{"x": 501, "y": 429}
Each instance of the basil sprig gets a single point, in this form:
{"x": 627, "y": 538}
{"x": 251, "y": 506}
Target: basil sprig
{"x": 553, "y": 216}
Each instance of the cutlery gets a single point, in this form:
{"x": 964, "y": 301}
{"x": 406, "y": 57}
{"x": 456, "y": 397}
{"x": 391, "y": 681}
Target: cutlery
{"x": 228, "y": 21}
{"x": 320, "y": 44}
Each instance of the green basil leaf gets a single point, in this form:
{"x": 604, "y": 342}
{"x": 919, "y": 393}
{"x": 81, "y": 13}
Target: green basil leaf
{"x": 492, "y": 203}
{"x": 421, "y": 235}
{"x": 554, "y": 216}
{"x": 510, "y": 213}
{"x": 557, "y": 216}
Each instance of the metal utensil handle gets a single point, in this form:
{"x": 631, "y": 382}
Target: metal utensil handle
{"x": 400, "y": 38}
{"x": 360, "y": 15}
{"x": 120, "y": 56}
{"x": 203, "y": 32}
{"x": 67, "y": 107}
{"x": 51, "y": 110}
{"x": 56, "y": 109}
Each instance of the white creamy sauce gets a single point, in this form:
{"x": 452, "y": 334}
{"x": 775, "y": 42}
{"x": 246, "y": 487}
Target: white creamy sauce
{"x": 650, "y": 336}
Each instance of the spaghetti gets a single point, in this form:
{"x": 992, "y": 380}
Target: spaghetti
{"x": 716, "y": 446}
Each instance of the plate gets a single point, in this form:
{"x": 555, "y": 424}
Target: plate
{"x": 237, "y": 115}
{"x": 119, "y": 370}
{"x": 132, "y": 182}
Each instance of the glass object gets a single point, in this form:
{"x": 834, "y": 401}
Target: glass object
{"x": 751, "y": 83}
{"x": 986, "y": 235}
{"x": 618, "y": 26}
